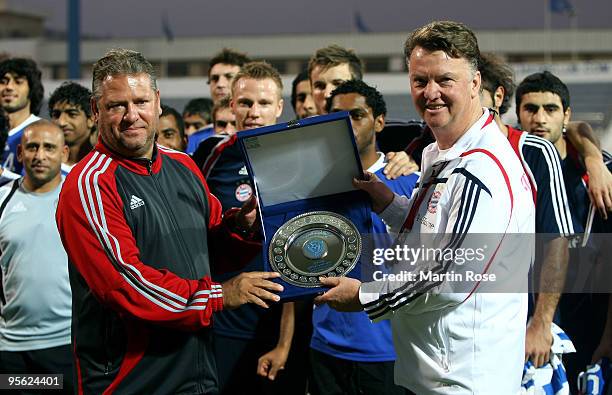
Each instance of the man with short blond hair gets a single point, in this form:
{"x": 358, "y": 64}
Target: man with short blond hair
{"x": 327, "y": 69}
{"x": 256, "y": 100}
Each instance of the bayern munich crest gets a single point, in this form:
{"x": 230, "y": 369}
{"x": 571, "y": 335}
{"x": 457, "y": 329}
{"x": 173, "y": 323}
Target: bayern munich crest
{"x": 433, "y": 202}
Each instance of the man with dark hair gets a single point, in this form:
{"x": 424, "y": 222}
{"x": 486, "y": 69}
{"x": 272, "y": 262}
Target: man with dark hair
{"x": 70, "y": 109}
{"x": 256, "y": 100}
{"x": 223, "y": 68}
{"x": 452, "y": 334}
{"x": 171, "y": 129}
{"x": 301, "y": 96}
{"x": 136, "y": 220}
{"x": 21, "y": 95}
{"x": 553, "y": 215}
{"x": 224, "y": 120}
{"x": 342, "y": 361}
{"x": 543, "y": 109}
{"x": 197, "y": 118}
{"x": 497, "y": 82}
{"x": 553, "y": 219}
{"x": 197, "y": 114}
{"x": 36, "y": 297}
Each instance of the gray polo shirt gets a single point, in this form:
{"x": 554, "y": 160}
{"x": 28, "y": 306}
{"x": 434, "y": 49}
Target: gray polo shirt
{"x": 35, "y": 296}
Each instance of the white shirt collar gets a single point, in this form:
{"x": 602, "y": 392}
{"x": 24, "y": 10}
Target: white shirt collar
{"x": 379, "y": 164}
{"x": 464, "y": 143}
{"x": 32, "y": 118}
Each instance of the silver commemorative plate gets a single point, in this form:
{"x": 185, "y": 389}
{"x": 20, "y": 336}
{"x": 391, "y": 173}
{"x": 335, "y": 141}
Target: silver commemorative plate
{"x": 312, "y": 245}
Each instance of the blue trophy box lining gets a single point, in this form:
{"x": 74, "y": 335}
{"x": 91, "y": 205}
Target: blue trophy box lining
{"x": 353, "y": 204}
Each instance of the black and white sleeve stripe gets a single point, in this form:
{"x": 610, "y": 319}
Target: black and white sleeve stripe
{"x": 538, "y": 146}
{"x": 408, "y": 292}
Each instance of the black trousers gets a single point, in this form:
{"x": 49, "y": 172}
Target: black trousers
{"x": 336, "y": 376}
{"x": 55, "y": 360}
{"x": 237, "y": 369}
{"x": 583, "y": 318}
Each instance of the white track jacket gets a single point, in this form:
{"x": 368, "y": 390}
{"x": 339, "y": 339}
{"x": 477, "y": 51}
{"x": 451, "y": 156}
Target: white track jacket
{"x": 459, "y": 334}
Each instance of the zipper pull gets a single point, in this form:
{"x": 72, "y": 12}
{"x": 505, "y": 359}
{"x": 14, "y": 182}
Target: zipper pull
{"x": 149, "y": 167}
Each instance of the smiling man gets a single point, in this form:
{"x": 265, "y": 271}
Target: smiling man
{"x": 256, "y": 100}
{"x": 449, "y": 335}
{"x": 21, "y": 95}
{"x": 36, "y": 297}
{"x": 136, "y": 220}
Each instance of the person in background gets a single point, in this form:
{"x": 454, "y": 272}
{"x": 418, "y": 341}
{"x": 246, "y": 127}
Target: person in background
{"x": 342, "y": 362}
{"x": 543, "y": 109}
{"x": 21, "y": 95}
{"x": 35, "y": 289}
{"x": 329, "y": 67}
{"x": 197, "y": 119}
{"x": 70, "y": 109}
{"x": 301, "y": 96}
{"x": 224, "y": 120}
{"x": 5, "y": 175}
{"x": 171, "y": 129}
{"x": 223, "y": 68}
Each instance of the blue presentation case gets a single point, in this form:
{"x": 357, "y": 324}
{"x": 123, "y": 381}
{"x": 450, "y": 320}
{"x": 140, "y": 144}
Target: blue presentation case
{"x": 304, "y": 166}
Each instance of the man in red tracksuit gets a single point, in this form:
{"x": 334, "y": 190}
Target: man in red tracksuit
{"x": 140, "y": 227}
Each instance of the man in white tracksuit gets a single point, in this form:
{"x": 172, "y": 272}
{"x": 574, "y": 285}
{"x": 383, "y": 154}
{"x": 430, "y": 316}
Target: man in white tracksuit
{"x": 455, "y": 330}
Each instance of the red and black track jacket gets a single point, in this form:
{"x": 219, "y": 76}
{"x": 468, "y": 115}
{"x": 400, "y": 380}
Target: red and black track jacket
{"x": 137, "y": 234}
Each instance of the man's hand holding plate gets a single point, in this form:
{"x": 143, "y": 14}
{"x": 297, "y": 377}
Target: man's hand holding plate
{"x": 343, "y": 294}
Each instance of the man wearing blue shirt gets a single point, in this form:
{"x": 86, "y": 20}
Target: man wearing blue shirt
{"x": 349, "y": 353}
{"x": 21, "y": 94}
